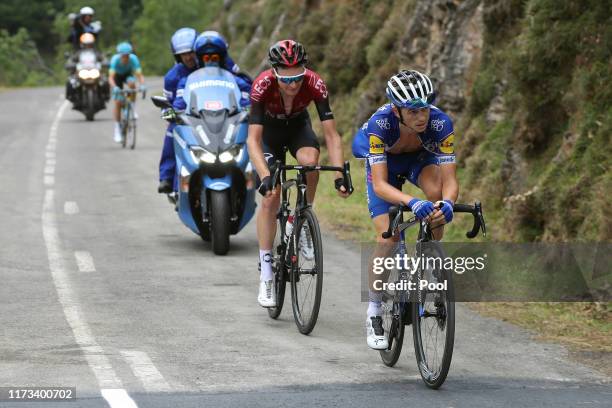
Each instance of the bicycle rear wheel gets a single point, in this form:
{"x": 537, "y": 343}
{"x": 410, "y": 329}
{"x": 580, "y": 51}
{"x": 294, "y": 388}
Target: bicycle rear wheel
{"x": 131, "y": 133}
{"x": 394, "y": 328}
{"x": 279, "y": 267}
{"x": 306, "y": 271}
{"x": 433, "y": 323}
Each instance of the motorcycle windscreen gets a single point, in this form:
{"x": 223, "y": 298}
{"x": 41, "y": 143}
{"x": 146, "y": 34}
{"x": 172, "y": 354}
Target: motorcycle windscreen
{"x": 211, "y": 89}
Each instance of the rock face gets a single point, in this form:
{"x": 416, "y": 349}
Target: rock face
{"x": 444, "y": 38}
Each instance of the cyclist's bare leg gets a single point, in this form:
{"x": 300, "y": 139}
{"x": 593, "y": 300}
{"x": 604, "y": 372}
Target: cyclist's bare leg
{"x": 309, "y": 156}
{"x": 384, "y": 248}
{"x": 116, "y": 110}
{"x": 430, "y": 181}
{"x": 266, "y": 220}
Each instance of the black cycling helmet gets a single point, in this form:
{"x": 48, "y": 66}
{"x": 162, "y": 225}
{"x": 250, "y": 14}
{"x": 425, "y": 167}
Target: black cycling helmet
{"x": 286, "y": 54}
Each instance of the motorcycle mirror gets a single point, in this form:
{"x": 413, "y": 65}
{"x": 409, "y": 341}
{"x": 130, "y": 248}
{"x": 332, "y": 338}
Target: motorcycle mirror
{"x": 161, "y": 102}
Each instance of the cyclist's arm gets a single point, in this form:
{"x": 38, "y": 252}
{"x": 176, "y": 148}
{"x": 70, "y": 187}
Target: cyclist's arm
{"x": 111, "y": 78}
{"x": 140, "y": 77}
{"x": 450, "y": 186}
{"x": 254, "y": 145}
{"x": 383, "y": 189}
{"x": 333, "y": 141}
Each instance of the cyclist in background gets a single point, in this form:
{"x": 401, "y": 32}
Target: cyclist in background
{"x": 408, "y": 137}
{"x": 124, "y": 66}
{"x": 279, "y": 119}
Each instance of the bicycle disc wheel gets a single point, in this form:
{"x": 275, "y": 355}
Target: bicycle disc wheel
{"x": 279, "y": 267}
{"x": 394, "y": 328}
{"x": 306, "y": 271}
{"x": 433, "y": 325}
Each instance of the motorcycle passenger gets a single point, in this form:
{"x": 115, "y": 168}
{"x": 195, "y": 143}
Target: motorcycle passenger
{"x": 407, "y": 137}
{"x": 81, "y": 25}
{"x": 182, "y": 47}
{"x": 211, "y": 50}
{"x": 279, "y": 119}
{"x": 123, "y": 67}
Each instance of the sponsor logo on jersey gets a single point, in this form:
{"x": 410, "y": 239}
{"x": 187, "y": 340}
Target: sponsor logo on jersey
{"x": 377, "y": 146}
{"x": 260, "y": 86}
{"x": 320, "y": 86}
{"x": 383, "y": 123}
{"x": 448, "y": 145}
{"x": 437, "y": 124}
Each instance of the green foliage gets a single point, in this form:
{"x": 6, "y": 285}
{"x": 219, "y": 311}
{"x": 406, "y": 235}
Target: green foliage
{"x": 159, "y": 20}
{"x": 19, "y": 51}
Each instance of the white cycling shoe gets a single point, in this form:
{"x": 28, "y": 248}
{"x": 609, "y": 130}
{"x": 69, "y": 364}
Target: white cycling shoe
{"x": 306, "y": 246}
{"x": 117, "y": 136}
{"x": 267, "y": 294}
{"x": 376, "y": 334}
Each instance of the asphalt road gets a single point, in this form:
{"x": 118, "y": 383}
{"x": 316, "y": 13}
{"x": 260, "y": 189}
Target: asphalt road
{"x": 103, "y": 289}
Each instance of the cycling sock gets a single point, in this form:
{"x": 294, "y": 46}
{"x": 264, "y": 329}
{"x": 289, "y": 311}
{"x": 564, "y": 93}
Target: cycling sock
{"x": 265, "y": 260}
{"x": 375, "y": 300}
{"x": 374, "y": 309}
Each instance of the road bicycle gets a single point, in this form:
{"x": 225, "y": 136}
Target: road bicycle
{"x": 430, "y": 309}
{"x": 127, "y": 120}
{"x": 291, "y": 261}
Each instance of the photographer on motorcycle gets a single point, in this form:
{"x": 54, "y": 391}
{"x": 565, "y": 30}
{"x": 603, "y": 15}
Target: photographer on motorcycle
{"x": 80, "y": 25}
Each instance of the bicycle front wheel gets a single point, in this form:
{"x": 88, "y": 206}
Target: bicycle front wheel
{"x": 433, "y": 324}
{"x": 306, "y": 271}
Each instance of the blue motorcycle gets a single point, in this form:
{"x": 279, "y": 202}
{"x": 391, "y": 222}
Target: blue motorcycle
{"x": 215, "y": 181}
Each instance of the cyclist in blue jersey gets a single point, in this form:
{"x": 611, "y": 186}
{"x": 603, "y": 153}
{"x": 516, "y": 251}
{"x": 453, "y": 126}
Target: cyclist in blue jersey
{"x": 182, "y": 46}
{"x": 124, "y": 67}
{"x": 211, "y": 50}
{"x": 413, "y": 139}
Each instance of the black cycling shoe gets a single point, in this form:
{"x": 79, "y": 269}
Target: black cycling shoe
{"x": 165, "y": 187}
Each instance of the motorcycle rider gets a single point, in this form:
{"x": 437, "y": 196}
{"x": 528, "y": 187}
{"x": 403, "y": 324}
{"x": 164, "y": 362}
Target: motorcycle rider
{"x": 81, "y": 25}
{"x": 123, "y": 66}
{"x": 211, "y": 50}
{"x": 182, "y": 46}
{"x": 87, "y": 42}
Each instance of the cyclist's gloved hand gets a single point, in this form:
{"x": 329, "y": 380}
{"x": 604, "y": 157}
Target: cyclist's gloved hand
{"x": 446, "y": 207}
{"x": 142, "y": 88}
{"x": 421, "y": 208}
{"x": 265, "y": 186}
{"x": 339, "y": 182}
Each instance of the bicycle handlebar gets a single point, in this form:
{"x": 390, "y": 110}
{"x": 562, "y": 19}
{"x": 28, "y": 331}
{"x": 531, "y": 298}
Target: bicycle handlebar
{"x": 345, "y": 169}
{"x": 476, "y": 211}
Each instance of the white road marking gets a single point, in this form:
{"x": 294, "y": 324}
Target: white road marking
{"x": 49, "y": 169}
{"x": 110, "y": 384}
{"x": 50, "y": 155}
{"x": 49, "y": 180}
{"x": 145, "y": 370}
{"x": 50, "y": 162}
{"x": 71, "y": 207}
{"x": 118, "y": 398}
{"x": 84, "y": 261}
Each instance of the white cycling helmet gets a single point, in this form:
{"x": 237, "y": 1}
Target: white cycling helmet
{"x": 86, "y": 11}
{"x": 410, "y": 89}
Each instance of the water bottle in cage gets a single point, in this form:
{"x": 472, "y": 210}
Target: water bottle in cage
{"x": 288, "y": 227}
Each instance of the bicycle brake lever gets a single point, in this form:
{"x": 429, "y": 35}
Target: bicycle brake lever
{"x": 394, "y": 213}
{"x": 346, "y": 173}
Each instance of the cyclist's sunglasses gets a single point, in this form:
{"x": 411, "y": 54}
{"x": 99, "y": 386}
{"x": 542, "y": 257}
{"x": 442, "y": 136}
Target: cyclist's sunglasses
{"x": 211, "y": 58}
{"x": 289, "y": 79}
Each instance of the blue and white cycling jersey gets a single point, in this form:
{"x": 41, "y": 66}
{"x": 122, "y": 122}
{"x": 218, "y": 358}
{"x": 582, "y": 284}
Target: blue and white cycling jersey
{"x": 381, "y": 132}
{"x": 132, "y": 67}
{"x": 373, "y": 140}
